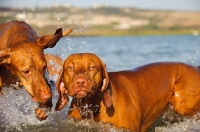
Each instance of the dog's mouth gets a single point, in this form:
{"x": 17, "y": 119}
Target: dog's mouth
{"x": 33, "y": 98}
{"x": 81, "y": 92}
{"x": 37, "y": 100}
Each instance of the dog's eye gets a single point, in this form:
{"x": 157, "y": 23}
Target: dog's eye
{"x": 26, "y": 72}
{"x": 92, "y": 68}
{"x": 70, "y": 68}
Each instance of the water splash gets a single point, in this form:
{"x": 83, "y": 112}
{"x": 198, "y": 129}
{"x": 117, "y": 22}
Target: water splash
{"x": 16, "y": 110}
{"x": 79, "y": 27}
{"x": 188, "y": 125}
{"x": 17, "y": 114}
{"x": 70, "y": 125}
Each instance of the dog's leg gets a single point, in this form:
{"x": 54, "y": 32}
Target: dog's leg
{"x": 42, "y": 110}
{"x": 186, "y": 94}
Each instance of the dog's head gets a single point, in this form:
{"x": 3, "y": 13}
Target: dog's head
{"x": 27, "y": 61}
{"x": 82, "y": 75}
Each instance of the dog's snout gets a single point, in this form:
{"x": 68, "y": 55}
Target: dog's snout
{"x": 80, "y": 81}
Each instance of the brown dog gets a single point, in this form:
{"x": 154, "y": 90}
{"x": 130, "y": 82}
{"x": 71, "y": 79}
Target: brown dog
{"x": 132, "y": 99}
{"x": 22, "y": 57}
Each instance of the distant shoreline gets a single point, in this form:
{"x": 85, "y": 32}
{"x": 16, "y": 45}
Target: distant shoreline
{"x": 105, "y": 21}
{"x": 104, "y": 32}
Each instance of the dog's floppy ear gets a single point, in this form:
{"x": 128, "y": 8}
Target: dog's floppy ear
{"x": 63, "y": 97}
{"x": 105, "y": 78}
{"x": 106, "y": 89}
{"x": 59, "y": 80}
{"x": 50, "y": 41}
{"x": 4, "y": 56}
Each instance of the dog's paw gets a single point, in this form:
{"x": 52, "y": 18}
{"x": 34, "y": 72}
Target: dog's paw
{"x": 41, "y": 114}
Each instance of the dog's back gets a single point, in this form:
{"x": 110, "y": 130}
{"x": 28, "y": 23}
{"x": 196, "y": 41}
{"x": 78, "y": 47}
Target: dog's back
{"x": 15, "y": 31}
{"x": 141, "y": 95}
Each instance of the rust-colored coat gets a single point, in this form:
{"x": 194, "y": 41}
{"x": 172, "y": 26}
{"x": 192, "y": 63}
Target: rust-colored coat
{"x": 21, "y": 55}
{"x": 132, "y": 99}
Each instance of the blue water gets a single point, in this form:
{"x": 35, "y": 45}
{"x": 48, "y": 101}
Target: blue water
{"x": 118, "y": 53}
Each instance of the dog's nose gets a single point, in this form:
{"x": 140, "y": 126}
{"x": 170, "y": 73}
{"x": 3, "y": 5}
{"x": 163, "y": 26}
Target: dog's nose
{"x": 80, "y": 81}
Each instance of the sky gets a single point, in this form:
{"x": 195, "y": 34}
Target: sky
{"x": 178, "y": 5}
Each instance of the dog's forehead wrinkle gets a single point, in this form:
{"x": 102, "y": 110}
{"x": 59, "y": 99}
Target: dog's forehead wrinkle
{"x": 77, "y": 64}
{"x": 26, "y": 67}
{"x": 28, "y": 57}
{"x": 39, "y": 60}
{"x": 82, "y": 59}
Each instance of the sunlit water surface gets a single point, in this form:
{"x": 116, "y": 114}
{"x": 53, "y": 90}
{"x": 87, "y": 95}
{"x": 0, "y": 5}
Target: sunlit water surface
{"x": 119, "y": 53}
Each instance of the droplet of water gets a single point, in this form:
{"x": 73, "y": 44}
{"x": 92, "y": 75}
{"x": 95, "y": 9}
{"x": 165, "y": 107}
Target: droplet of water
{"x": 84, "y": 42}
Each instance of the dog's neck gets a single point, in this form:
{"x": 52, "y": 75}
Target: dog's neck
{"x": 89, "y": 107}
